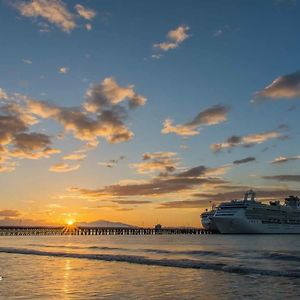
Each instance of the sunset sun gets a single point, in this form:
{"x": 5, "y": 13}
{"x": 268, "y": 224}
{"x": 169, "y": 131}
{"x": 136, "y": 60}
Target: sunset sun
{"x": 70, "y": 222}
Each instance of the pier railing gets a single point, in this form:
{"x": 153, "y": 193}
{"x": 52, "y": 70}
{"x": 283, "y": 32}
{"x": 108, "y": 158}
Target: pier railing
{"x": 73, "y": 230}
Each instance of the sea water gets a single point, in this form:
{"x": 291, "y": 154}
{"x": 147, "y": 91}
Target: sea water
{"x": 150, "y": 267}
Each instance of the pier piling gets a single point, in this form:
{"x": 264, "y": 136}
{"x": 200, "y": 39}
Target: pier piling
{"x": 74, "y": 230}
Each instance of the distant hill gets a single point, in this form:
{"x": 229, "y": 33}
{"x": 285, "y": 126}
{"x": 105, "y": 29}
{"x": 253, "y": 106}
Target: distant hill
{"x": 103, "y": 223}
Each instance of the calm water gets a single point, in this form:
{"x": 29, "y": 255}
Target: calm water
{"x": 150, "y": 267}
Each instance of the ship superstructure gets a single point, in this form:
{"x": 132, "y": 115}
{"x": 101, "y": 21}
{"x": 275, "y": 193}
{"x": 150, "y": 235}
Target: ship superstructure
{"x": 252, "y": 216}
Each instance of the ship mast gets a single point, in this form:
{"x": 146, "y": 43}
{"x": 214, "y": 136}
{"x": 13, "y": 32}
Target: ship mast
{"x": 249, "y": 195}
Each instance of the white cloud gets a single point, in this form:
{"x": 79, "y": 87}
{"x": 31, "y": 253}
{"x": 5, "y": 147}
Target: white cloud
{"x": 283, "y": 159}
{"x": 54, "y": 11}
{"x": 63, "y": 70}
{"x": 63, "y": 167}
{"x": 27, "y": 61}
{"x": 75, "y": 156}
{"x": 84, "y": 12}
{"x": 88, "y": 27}
{"x": 174, "y": 39}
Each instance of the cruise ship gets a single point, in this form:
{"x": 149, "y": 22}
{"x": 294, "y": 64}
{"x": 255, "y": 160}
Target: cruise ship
{"x": 252, "y": 216}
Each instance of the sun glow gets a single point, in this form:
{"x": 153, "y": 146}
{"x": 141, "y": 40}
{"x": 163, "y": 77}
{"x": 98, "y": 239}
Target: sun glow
{"x": 70, "y": 222}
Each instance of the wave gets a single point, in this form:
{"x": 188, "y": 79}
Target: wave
{"x": 158, "y": 251}
{"x": 76, "y": 247}
{"x": 282, "y": 256}
{"x": 264, "y": 255}
{"x": 141, "y": 260}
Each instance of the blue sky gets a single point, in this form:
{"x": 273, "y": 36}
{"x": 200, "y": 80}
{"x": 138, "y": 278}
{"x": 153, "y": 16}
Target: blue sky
{"x": 221, "y": 55}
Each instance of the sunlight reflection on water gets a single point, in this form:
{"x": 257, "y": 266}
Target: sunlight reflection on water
{"x": 48, "y": 277}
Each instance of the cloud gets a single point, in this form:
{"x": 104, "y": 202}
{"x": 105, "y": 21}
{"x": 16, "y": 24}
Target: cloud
{"x": 130, "y": 202}
{"x": 27, "y": 61}
{"x": 112, "y": 163}
{"x": 108, "y": 93}
{"x": 244, "y": 160}
{"x": 210, "y": 116}
{"x": 203, "y": 171}
{"x": 157, "y": 56}
{"x": 3, "y": 95}
{"x": 63, "y": 167}
{"x": 102, "y": 114}
{"x": 161, "y": 185}
{"x": 8, "y": 167}
{"x": 292, "y": 178}
{"x": 154, "y": 155}
{"x": 18, "y": 113}
{"x": 163, "y": 162}
{"x": 9, "y": 213}
{"x": 84, "y": 12}
{"x": 182, "y": 130}
{"x": 32, "y": 146}
{"x": 75, "y": 156}
{"x": 123, "y": 209}
{"x": 16, "y": 141}
{"x": 182, "y": 204}
{"x": 54, "y": 11}
{"x": 63, "y": 70}
{"x": 193, "y": 172}
{"x": 247, "y": 140}
{"x": 283, "y": 159}
{"x": 262, "y": 194}
{"x": 218, "y": 32}
{"x": 88, "y": 27}
{"x": 286, "y": 86}
{"x": 174, "y": 39}
{"x": 205, "y": 199}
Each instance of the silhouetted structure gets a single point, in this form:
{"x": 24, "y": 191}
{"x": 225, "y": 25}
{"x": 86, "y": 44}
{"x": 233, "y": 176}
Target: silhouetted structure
{"x": 73, "y": 230}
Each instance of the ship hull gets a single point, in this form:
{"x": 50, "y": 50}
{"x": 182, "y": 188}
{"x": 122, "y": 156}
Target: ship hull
{"x": 209, "y": 225}
{"x": 232, "y": 225}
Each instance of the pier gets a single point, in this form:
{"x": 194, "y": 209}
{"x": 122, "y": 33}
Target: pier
{"x": 74, "y": 230}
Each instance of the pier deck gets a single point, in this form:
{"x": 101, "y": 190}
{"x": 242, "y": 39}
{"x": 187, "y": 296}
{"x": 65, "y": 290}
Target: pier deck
{"x": 69, "y": 230}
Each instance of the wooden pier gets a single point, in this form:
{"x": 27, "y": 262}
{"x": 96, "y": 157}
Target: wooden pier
{"x": 73, "y": 230}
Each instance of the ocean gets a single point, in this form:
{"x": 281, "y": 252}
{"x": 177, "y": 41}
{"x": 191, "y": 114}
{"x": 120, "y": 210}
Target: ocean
{"x": 150, "y": 267}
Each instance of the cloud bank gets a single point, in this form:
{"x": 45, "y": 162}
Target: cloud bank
{"x": 103, "y": 114}
{"x": 161, "y": 185}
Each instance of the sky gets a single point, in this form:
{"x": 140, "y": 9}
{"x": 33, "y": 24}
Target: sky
{"x": 145, "y": 112}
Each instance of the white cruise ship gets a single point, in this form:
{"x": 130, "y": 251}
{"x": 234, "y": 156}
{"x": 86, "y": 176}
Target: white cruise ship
{"x": 251, "y": 216}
